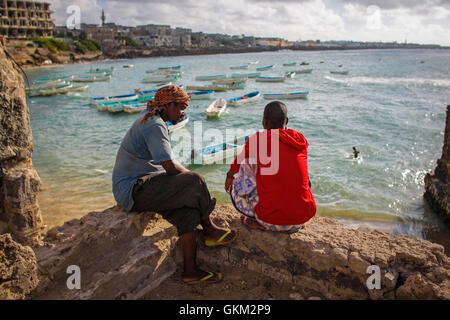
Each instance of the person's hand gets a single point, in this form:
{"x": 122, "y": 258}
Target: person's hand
{"x": 228, "y": 182}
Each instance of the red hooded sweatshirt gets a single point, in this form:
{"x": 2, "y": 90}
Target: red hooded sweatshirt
{"x": 285, "y": 197}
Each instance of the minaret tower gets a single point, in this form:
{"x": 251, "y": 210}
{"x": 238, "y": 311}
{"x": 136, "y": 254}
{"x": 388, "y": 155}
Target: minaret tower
{"x": 103, "y": 17}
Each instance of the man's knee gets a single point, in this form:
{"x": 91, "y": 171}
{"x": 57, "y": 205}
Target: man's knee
{"x": 193, "y": 178}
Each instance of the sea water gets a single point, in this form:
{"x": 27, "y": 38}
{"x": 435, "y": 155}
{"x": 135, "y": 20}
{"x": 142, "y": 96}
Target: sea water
{"x": 391, "y": 106}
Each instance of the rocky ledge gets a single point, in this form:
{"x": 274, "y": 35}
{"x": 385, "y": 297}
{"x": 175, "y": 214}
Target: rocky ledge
{"x": 128, "y": 255}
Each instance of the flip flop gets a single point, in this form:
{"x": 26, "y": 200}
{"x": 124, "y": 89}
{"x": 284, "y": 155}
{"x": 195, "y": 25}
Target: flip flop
{"x": 219, "y": 242}
{"x": 206, "y": 279}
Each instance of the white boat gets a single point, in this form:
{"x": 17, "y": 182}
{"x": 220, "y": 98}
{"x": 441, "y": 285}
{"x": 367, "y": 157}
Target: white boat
{"x": 116, "y": 107}
{"x": 230, "y": 81}
{"x": 170, "y": 68}
{"x": 246, "y": 75}
{"x": 288, "y": 95}
{"x": 339, "y": 72}
{"x": 133, "y": 108}
{"x": 210, "y": 78}
{"x": 172, "y": 127}
{"x": 216, "y": 108}
{"x": 52, "y": 91}
{"x": 245, "y": 99}
{"x": 265, "y": 68}
{"x": 218, "y": 153}
{"x": 253, "y": 62}
{"x": 91, "y": 78}
{"x": 290, "y": 74}
{"x": 244, "y": 67}
{"x": 303, "y": 71}
{"x": 129, "y": 66}
{"x": 113, "y": 98}
{"x": 289, "y": 64}
{"x": 50, "y": 85}
{"x": 208, "y": 88}
{"x": 50, "y": 81}
{"x": 201, "y": 95}
{"x": 270, "y": 79}
{"x": 159, "y": 78}
{"x": 81, "y": 88}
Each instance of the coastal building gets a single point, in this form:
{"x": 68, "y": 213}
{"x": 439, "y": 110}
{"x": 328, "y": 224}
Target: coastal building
{"x": 21, "y": 19}
{"x": 152, "y": 35}
{"x": 182, "y": 38}
{"x": 275, "y": 42}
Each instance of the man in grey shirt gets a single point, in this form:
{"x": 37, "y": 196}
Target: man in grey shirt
{"x": 146, "y": 177}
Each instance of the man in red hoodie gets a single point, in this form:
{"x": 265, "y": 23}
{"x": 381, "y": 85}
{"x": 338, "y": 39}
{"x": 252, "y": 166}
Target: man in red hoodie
{"x": 272, "y": 189}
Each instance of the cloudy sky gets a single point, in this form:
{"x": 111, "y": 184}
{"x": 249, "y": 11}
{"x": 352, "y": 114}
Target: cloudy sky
{"x": 418, "y": 21}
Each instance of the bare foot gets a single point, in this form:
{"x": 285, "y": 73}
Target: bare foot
{"x": 252, "y": 223}
{"x": 217, "y": 233}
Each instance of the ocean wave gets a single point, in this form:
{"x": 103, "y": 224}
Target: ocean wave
{"x": 392, "y": 81}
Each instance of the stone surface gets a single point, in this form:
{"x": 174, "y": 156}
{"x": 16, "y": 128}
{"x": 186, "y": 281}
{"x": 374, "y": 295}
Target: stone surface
{"x": 131, "y": 256}
{"x": 437, "y": 188}
{"x": 18, "y": 269}
{"x": 19, "y": 181}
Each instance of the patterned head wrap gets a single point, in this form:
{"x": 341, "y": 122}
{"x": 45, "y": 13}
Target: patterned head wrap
{"x": 163, "y": 97}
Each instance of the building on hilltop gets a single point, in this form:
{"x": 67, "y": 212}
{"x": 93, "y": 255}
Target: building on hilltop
{"x": 25, "y": 19}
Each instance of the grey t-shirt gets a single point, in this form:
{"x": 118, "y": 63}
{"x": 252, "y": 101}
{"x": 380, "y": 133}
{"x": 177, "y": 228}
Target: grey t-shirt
{"x": 142, "y": 150}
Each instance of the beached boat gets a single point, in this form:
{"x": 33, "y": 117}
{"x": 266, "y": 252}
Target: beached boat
{"x": 290, "y": 74}
{"x": 159, "y": 78}
{"x": 91, "y": 78}
{"x": 62, "y": 89}
{"x": 201, "y": 95}
{"x": 265, "y": 68}
{"x": 210, "y": 78}
{"x": 218, "y": 153}
{"x": 288, "y": 95}
{"x": 339, "y": 72}
{"x": 216, "y": 108}
{"x": 207, "y": 88}
{"x": 170, "y": 68}
{"x": 245, "y": 67}
{"x": 134, "y": 108}
{"x": 289, "y": 64}
{"x": 303, "y": 71}
{"x": 172, "y": 127}
{"x": 270, "y": 79}
{"x": 246, "y": 75}
{"x": 113, "y": 98}
{"x": 230, "y": 81}
{"x": 245, "y": 99}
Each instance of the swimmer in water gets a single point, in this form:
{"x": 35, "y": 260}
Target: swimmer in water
{"x": 355, "y": 152}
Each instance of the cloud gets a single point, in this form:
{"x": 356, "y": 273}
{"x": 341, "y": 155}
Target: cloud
{"x": 363, "y": 20}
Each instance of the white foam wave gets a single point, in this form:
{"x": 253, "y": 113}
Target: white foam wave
{"x": 392, "y": 81}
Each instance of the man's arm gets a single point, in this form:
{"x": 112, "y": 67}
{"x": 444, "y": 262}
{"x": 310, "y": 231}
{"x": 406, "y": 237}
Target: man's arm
{"x": 173, "y": 167}
{"x": 229, "y": 180}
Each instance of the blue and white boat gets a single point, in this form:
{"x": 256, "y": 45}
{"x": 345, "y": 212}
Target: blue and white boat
{"x": 270, "y": 79}
{"x": 113, "y": 98}
{"x": 210, "y": 78}
{"x": 245, "y": 99}
{"x": 288, "y": 95}
{"x": 133, "y": 108}
{"x": 245, "y": 67}
{"x": 201, "y": 95}
{"x": 246, "y": 75}
{"x": 265, "y": 68}
{"x": 170, "y": 68}
{"x": 219, "y": 152}
{"x": 172, "y": 127}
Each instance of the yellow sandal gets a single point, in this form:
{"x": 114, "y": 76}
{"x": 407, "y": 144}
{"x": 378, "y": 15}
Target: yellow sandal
{"x": 219, "y": 242}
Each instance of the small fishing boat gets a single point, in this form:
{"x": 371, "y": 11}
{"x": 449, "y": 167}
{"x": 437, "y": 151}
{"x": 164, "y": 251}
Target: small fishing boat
{"x": 91, "y": 78}
{"x": 290, "y": 74}
{"x": 265, "y": 68}
{"x": 218, "y": 153}
{"x": 210, "y": 78}
{"x": 116, "y": 107}
{"x": 235, "y": 86}
{"x": 253, "y": 62}
{"x": 101, "y": 105}
{"x": 50, "y": 81}
{"x": 246, "y": 75}
{"x": 113, "y": 98}
{"x": 201, "y": 95}
{"x": 146, "y": 93}
{"x": 129, "y": 66}
{"x": 81, "y": 88}
{"x": 230, "y": 81}
{"x": 245, "y": 99}
{"x": 170, "y": 68}
{"x": 159, "y": 78}
{"x": 289, "y": 64}
{"x": 270, "y": 79}
{"x": 207, "y": 88}
{"x": 62, "y": 89}
{"x": 216, "y": 108}
{"x": 304, "y": 63}
{"x": 303, "y": 71}
{"x": 172, "y": 127}
{"x": 244, "y": 67}
{"x": 339, "y": 72}
{"x": 111, "y": 69}
{"x": 134, "y": 108}
{"x": 289, "y": 95}
{"x": 46, "y": 86}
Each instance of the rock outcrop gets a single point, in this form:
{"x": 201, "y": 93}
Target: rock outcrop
{"x": 130, "y": 256}
{"x": 18, "y": 269}
{"x": 437, "y": 187}
{"x": 19, "y": 181}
